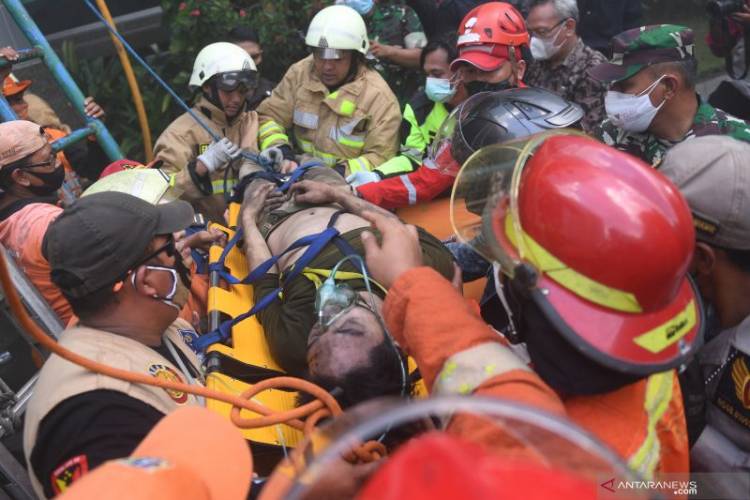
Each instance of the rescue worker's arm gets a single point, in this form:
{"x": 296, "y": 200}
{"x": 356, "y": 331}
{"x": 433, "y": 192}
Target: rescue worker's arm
{"x": 85, "y": 431}
{"x": 455, "y": 350}
{"x": 413, "y": 146}
{"x": 275, "y": 114}
{"x": 401, "y": 56}
{"x": 424, "y": 184}
{"x": 381, "y": 136}
{"x": 178, "y": 157}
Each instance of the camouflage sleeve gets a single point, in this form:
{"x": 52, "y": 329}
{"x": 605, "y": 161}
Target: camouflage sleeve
{"x": 411, "y": 21}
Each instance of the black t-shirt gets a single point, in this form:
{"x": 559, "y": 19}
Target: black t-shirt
{"x": 88, "y": 429}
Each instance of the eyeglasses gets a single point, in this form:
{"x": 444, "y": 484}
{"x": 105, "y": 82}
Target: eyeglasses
{"x": 545, "y": 32}
{"x": 52, "y": 161}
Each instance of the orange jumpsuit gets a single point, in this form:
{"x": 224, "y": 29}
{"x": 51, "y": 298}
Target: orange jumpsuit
{"x": 435, "y": 325}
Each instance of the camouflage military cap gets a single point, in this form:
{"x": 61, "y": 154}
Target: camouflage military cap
{"x": 639, "y": 48}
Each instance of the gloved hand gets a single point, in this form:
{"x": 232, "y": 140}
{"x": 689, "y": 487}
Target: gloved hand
{"x": 362, "y": 177}
{"x": 219, "y": 155}
{"x": 274, "y": 156}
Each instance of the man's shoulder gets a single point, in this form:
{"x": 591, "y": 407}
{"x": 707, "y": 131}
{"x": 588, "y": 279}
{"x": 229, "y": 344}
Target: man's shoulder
{"x": 712, "y": 121}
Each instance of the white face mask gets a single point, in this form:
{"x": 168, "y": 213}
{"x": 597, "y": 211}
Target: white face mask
{"x": 545, "y": 48}
{"x": 632, "y": 113}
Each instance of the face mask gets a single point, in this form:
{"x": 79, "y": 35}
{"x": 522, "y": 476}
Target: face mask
{"x": 545, "y": 48}
{"x": 52, "y": 181}
{"x": 476, "y": 86}
{"x": 439, "y": 89}
{"x": 362, "y": 7}
{"x": 632, "y": 113}
{"x": 178, "y": 293}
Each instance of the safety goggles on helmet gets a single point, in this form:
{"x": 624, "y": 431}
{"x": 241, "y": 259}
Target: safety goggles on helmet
{"x": 598, "y": 240}
{"x": 232, "y": 80}
{"x": 327, "y": 54}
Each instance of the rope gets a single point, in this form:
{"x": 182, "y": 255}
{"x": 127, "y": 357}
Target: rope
{"x": 254, "y": 157}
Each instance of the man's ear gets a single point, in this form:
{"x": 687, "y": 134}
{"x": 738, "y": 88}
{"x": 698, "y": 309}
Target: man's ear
{"x": 570, "y": 25}
{"x": 20, "y": 177}
{"x": 672, "y": 84}
{"x": 144, "y": 281}
{"x": 704, "y": 260}
{"x": 206, "y": 88}
{"x": 520, "y": 71}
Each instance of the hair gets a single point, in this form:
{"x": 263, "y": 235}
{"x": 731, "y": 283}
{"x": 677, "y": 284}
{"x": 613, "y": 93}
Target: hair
{"x": 240, "y": 34}
{"x": 446, "y": 42}
{"x": 566, "y": 9}
{"x": 90, "y": 305}
{"x": 740, "y": 258}
{"x": 687, "y": 69}
{"x": 381, "y": 377}
{"x": 6, "y": 179}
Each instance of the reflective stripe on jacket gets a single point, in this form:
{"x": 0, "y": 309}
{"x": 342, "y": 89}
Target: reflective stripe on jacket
{"x": 357, "y": 124}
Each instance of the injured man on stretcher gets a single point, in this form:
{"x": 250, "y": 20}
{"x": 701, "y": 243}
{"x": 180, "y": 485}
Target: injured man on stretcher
{"x": 330, "y": 332}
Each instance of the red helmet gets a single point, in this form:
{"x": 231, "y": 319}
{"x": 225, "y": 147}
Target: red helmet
{"x": 490, "y": 34}
{"x": 603, "y": 241}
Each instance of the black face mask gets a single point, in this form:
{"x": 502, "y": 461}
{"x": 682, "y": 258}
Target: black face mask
{"x": 476, "y": 87}
{"x": 52, "y": 181}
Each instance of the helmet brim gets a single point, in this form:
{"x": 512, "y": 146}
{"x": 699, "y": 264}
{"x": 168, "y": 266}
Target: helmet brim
{"x": 480, "y": 60}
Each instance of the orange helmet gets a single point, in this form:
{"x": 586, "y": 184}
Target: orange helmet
{"x": 600, "y": 240}
{"x": 490, "y": 34}
{"x": 12, "y": 87}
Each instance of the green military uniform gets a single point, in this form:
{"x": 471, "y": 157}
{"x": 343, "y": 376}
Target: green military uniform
{"x": 421, "y": 121}
{"x": 394, "y": 23}
{"x": 637, "y": 49}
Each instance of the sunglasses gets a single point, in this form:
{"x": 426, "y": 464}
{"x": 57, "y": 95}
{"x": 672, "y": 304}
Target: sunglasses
{"x": 171, "y": 250}
{"x": 52, "y": 161}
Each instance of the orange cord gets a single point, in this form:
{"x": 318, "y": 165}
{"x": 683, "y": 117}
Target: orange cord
{"x": 324, "y": 406}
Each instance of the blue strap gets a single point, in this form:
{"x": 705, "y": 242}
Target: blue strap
{"x": 315, "y": 244}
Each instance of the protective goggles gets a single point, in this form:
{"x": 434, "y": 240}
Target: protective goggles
{"x": 232, "y": 80}
{"x": 327, "y": 54}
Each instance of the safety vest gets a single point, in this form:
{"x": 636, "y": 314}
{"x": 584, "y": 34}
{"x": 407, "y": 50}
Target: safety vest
{"x": 60, "y": 379}
{"x": 421, "y": 121}
{"x": 356, "y": 125}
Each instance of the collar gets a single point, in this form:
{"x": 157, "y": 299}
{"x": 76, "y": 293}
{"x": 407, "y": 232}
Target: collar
{"x": 213, "y": 113}
{"x": 574, "y": 55}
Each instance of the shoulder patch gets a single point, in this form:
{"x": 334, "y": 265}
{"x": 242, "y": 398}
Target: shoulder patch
{"x": 733, "y": 393}
{"x": 69, "y": 472}
{"x": 164, "y": 372}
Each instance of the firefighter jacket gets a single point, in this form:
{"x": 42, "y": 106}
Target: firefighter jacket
{"x": 182, "y": 142}
{"x": 60, "y": 379}
{"x": 458, "y": 353}
{"x": 356, "y": 125}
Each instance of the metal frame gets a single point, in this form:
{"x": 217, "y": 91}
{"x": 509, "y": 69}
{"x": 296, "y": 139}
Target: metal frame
{"x": 44, "y": 51}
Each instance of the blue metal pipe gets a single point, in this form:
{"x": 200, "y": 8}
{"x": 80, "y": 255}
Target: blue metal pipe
{"x": 66, "y": 82}
{"x": 6, "y": 112}
{"x": 73, "y": 137}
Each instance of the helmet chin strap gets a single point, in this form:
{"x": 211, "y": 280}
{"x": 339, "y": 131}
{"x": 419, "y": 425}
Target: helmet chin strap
{"x": 213, "y": 95}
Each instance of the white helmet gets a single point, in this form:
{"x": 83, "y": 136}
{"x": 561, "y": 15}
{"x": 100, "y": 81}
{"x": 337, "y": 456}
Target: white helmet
{"x": 222, "y": 57}
{"x": 338, "y": 27}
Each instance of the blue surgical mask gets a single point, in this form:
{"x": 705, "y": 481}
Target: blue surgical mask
{"x": 362, "y": 7}
{"x": 439, "y": 89}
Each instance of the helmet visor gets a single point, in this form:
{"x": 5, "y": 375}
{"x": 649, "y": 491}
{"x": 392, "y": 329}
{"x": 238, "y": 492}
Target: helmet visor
{"x": 484, "y": 201}
{"x": 232, "y": 80}
{"x": 327, "y": 54}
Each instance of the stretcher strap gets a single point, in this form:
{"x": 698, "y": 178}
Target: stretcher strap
{"x": 282, "y": 181}
{"x": 315, "y": 243}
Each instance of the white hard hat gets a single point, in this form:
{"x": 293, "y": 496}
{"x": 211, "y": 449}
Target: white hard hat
{"x": 220, "y": 57}
{"x": 338, "y": 27}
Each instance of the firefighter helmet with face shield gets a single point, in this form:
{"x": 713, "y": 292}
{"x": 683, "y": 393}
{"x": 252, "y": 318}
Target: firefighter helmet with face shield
{"x": 600, "y": 241}
{"x": 228, "y": 62}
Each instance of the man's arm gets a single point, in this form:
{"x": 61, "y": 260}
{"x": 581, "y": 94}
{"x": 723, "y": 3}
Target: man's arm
{"x": 256, "y": 248}
{"x": 319, "y": 193}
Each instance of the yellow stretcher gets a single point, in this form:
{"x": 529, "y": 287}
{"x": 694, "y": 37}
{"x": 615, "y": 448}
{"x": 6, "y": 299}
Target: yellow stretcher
{"x": 247, "y": 360}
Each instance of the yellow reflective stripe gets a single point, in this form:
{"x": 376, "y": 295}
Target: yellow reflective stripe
{"x": 218, "y": 185}
{"x": 275, "y": 138}
{"x": 663, "y": 336}
{"x": 396, "y": 165}
{"x": 173, "y": 180}
{"x": 658, "y": 396}
{"x": 333, "y": 95}
{"x": 352, "y": 143}
{"x": 309, "y": 148}
{"x": 314, "y": 274}
{"x": 347, "y": 107}
{"x": 359, "y": 164}
{"x": 270, "y": 127}
{"x": 572, "y": 280}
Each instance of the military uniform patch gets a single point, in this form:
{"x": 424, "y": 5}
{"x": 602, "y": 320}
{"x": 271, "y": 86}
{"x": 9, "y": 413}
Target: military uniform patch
{"x": 69, "y": 472}
{"x": 733, "y": 393}
{"x": 164, "y": 372}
